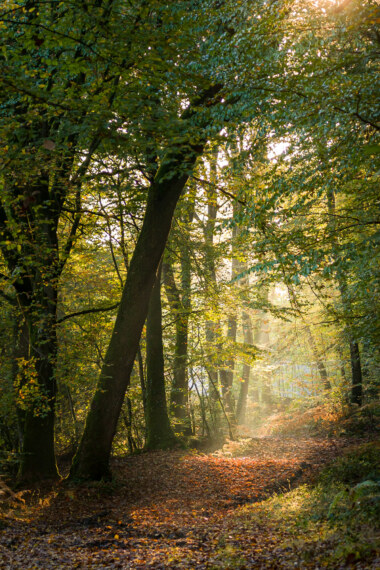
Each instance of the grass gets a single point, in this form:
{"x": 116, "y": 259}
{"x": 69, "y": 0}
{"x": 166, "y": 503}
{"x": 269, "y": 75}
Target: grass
{"x": 331, "y": 523}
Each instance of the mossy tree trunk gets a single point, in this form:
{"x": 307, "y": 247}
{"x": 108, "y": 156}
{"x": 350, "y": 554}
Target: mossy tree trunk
{"x": 38, "y": 394}
{"x": 38, "y": 267}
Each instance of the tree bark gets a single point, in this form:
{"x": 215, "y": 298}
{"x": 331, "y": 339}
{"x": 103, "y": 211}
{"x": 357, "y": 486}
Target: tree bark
{"x": 92, "y": 458}
{"x": 241, "y": 407}
{"x": 179, "y": 394}
{"x": 159, "y": 432}
{"x": 318, "y": 359}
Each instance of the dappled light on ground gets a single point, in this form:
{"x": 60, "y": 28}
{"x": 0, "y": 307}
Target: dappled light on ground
{"x": 163, "y": 510}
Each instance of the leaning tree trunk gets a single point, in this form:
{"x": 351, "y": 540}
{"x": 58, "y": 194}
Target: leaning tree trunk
{"x": 158, "y": 429}
{"x": 92, "y": 458}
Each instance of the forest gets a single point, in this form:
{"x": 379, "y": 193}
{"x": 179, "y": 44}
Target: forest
{"x": 189, "y": 284}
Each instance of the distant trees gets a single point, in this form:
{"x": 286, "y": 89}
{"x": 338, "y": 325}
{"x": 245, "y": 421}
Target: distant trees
{"x": 254, "y": 128}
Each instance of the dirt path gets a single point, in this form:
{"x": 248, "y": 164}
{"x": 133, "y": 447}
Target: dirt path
{"x": 164, "y": 510}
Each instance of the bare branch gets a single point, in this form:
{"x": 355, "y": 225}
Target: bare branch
{"x": 87, "y": 312}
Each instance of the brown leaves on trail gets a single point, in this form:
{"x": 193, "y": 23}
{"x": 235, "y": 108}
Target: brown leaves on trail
{"x": 164, "y": 509}
{"x": 7, "y": 495}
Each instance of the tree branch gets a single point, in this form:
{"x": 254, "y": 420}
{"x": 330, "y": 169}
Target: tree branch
{"x": 222, "y": 190}
{"x": 87, "y": 312}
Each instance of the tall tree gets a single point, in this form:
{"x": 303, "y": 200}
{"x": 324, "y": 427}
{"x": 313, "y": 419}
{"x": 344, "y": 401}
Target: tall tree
{"x": 53, "y": 131}
{"x": 159, "y": 432}
{"x": 92, "y": 459}
{"x": 203, "y": 75}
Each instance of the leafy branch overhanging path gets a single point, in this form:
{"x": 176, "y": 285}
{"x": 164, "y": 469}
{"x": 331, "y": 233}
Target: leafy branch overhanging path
{"x": 165, "y": 510}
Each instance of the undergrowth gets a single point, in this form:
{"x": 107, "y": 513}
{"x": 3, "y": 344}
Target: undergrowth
{"x": 332, "y": 523}
{"x": 329, "y": 418}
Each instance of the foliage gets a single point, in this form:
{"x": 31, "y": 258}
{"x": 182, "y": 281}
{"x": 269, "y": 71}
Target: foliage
{"x": 326, "y": 523}
{"x": 284, "y": 229}
{"x": 354, "y": 466}
{"x": 171, "y": 509}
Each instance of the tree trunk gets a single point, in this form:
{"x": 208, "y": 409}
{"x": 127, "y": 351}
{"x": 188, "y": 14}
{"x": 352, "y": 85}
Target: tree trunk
{"x": 92, "y": 458}
{"x": 227, "y": 373}
{"x": 36, "y": 391}
{"x": 73, "y": 414}
{"x": 261, "y": 339}
{"x": 212, "y": 327}
{"x": 356, "y": 371}
{"x": 183, "y": 323}
{"x": 318, "y": 359}
{"x": 128, "y": 420}
{"x": 244, "y": 386}
{"x": 20, "y": 351}
{"x": 179, "y": 394}
{"x": 341, "y": 363}
{"x": 159, "y": 432}
{"x": 140, "y": 364}
{"x": 357, "y": 379}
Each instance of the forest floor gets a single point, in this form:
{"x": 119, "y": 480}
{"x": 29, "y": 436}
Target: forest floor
{"x": 178, "y": 510}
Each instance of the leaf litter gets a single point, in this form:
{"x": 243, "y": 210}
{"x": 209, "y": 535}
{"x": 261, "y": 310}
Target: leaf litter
{"x": 163, "y": 510}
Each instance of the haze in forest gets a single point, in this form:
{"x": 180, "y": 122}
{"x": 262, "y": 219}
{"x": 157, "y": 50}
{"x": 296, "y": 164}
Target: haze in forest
{"x": 189, "y": 230}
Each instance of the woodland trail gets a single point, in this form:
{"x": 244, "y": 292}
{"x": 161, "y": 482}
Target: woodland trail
{"x": 164, "y": 510}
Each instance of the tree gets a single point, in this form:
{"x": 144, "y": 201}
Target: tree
{"x": 92, "y": 460}
{"x": 43, "y": 168}
{"x": 210, "y": 107}
{"x": 159, "y": 432}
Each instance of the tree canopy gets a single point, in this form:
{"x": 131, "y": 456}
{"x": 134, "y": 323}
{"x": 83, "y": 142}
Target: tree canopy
{"x": 222, "y": 155}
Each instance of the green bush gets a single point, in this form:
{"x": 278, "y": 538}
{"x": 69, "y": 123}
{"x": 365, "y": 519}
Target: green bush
{"x": 332, "y": 523}
{"x": 355, "y": 466}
